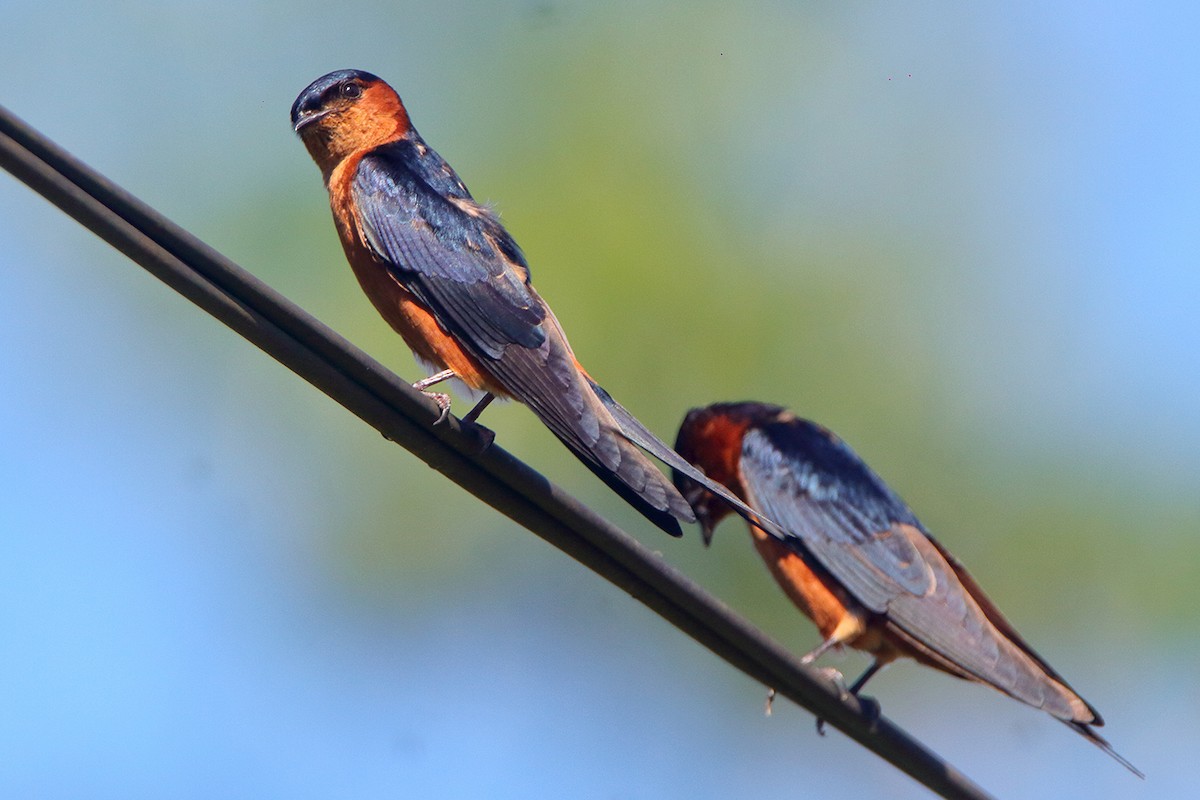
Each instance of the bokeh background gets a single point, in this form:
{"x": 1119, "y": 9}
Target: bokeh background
{"x": 963, "y": 236}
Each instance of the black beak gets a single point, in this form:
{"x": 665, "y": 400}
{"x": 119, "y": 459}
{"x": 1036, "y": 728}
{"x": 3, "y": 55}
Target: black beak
{"x": 307, "y": 118}
{"x": 699, "y": 499}
{"x": 705, "y": 520}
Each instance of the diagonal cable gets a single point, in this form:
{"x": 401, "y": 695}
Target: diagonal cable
{"x": 381, "y": 399}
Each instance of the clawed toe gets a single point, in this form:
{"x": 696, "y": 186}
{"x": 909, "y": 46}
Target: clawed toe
{"x": 837, "y": 679}
{"x": 443, "y": 401}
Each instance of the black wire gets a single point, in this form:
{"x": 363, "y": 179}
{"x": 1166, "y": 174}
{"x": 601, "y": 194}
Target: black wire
{"x": 382, "y": 400}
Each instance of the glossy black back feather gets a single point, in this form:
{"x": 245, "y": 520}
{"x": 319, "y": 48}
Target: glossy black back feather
{"x": 828, "y": 470}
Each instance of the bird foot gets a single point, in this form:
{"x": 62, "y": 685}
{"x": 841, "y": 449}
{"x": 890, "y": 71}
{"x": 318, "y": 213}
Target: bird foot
{"x": 443, "y": 401}
{"x": 870, "y": 708}
{"x": 868, "y": 705}
{"x": 839, "y": 681}
{"x": 482, "y": 437}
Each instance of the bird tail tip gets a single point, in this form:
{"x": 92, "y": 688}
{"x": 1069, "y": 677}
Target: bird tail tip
{"x": 1089, "y": 733}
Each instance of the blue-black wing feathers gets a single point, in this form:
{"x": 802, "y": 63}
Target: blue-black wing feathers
{"x": 813, "y": 484}
{"x": 843, "y": 515}
{"x": 455, "y": 261}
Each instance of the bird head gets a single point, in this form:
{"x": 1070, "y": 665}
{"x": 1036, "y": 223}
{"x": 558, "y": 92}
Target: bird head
{"x": 711, "y": 438}
{"x": 346, "y": 112}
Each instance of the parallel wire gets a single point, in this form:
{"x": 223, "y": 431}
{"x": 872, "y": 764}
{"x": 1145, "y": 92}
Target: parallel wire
{"x": 458, "y": 450}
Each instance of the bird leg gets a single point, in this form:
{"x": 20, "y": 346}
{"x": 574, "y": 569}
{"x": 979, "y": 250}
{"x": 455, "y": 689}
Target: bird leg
{"x": 818, "y": 651}
{"x": 443, "y": 400}
{"x": 832, "y": 674}
{"x": 483, "y": 436}
{"x": 483, "y": 403}
{"x": 869, "y": 705}
{"x": 876, "y": 665}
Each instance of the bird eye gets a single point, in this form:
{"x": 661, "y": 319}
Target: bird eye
{"x": 351, "y": 90}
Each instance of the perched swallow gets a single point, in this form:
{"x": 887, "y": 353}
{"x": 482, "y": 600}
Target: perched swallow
{"x": 447, "y": 276}
{"x": 857, "y": 561}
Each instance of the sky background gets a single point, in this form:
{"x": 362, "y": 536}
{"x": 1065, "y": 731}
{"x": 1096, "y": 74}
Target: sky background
{"x": 962, "y": 236}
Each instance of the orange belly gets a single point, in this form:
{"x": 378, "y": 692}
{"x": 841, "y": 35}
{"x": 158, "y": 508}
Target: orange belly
{"x": 403, "y": 311}
{"x": 835, "y": 613}
{"x": 418, "y": 327}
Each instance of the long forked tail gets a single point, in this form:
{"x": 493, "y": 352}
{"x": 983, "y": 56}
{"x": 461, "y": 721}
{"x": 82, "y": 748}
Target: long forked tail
{"x": 1089, "y": 733}
{"x": 666, "y": 517}
{"x": 630, "y": 474}
{"x": 599, "y": 444}
{"x": 1007, "y": 639}
{"x": 639, "y": 434}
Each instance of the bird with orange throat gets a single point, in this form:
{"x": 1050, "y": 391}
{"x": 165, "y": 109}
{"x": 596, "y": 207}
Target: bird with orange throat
{"x": 446, "y": 275}
{"x": 857, "y": 561}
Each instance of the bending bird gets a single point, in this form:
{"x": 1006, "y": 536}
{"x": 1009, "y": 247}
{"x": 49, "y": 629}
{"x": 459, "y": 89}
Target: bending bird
{"x": 857, "y": 561}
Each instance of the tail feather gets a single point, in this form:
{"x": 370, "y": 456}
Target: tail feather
{"x": 550, "y": 381}
{"x": 618, "y": 463}
{"x": 637, "y": 433}
{"x": 1089, "y": 733}
{"x": 660, "y": 516}
{"x": 633, "y": 476}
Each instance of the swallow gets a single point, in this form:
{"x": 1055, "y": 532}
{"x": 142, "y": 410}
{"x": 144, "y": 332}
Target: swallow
{"x": 445, "y": 274}
{"x": 858, "y": 563}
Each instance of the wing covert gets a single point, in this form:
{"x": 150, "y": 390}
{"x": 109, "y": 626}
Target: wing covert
{"x": 451, "y": 253}
{"x": 813, "y": 485}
